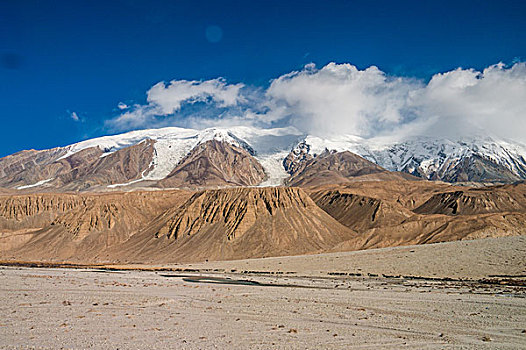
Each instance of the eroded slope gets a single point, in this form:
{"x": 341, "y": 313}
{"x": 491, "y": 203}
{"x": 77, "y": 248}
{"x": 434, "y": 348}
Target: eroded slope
{"x": 240, "y": 223}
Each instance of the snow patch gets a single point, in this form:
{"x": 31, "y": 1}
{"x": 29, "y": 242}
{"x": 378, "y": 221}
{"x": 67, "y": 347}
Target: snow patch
{"x": 36, "y": 184}
{"x": 125, "y": 184}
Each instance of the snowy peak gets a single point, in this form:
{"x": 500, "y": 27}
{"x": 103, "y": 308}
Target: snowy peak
{"x": 434, "y": 159}
{"x": 172, "y": 144}
{"x": 216, "y": 163}
{"x": 226, "y": 136}
{"x": 170, "y": 147}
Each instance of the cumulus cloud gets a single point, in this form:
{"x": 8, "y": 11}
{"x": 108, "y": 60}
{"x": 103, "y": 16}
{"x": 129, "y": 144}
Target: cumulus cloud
{"x": 340, "y": 98}
{"x": 168, "y": 99}
{"x": 465, "y": 100}
{"x": 122, "y": 105}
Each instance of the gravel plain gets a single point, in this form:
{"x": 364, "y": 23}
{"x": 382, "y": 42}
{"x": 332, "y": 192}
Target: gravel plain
{"x": 52, "y": 308}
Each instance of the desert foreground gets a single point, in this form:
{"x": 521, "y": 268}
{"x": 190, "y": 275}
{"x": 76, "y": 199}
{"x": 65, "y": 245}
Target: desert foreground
{"x": 409, "y": 297}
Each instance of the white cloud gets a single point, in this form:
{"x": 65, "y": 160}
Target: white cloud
{"x": 340, "y": 98}
{"x": 139, "y": 117}
{"x": 167, "y": 99}
{"x": 122, "y": 105}
{"x": 74, "y": 116}
{"x": 462, "y": 101}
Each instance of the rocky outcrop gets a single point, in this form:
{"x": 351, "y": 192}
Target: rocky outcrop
{"x": 297, "y": 159}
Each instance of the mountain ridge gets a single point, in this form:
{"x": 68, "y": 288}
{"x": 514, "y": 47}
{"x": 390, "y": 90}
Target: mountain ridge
{"x": 172, "y": 226}
{"x": 279, "y": 153}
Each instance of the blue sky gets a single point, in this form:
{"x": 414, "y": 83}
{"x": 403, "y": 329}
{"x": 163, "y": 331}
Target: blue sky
{"x": 60, "y": 57}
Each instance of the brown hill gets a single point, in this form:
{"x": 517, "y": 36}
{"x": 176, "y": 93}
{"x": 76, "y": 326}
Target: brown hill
{"x": 154, "y": 227}
{"x": 239, "y": 223}
{"x": 236, "y": 223}
{"x": 495, "y": 199}
{"x": 77, "y": 227}
{"x": 409, "y": 194}
{"x": 438, "y": 228}
{"x": 428, "y": 213}
{"x": 336, "y": 167}
{"x": 360, "y": 212}
{"x": 214, "y": 163}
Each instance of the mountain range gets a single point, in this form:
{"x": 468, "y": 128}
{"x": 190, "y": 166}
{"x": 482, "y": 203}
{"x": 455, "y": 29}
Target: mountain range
{"x": 247, "y": 156}
{"x": 172, "y": 226}
{"x": 181, "y": 195}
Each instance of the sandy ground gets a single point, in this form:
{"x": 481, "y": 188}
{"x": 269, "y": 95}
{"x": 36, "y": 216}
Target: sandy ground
{"x": 309, "y": 309}
{"x": 472, "y": 259}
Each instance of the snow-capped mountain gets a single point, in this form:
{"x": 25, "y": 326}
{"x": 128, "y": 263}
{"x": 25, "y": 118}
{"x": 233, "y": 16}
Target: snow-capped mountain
{"x": 441, "y": 159}
{"x": 149, "y": 156}
{"x": 267, "y": 157}
{"x": 172, "y": 144}
{"x": 433, "y": 159}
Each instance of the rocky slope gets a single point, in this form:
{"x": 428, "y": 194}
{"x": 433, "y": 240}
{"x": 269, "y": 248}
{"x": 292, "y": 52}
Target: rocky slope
{"x": 69, "y": 226}
{"x": 239, "y": 223}
{"x": 86, "y": 169}
{"x": 27, "y": 160}
{"x": 236, "y": 223}
{"x": 388, "y": 213}
{"x": 360, "y": 212}
{"x": 334, "y": 167}
{"x": 495, "y": 199}
{"x": 216, "y": 163}
{"x": 161, "y": 226}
